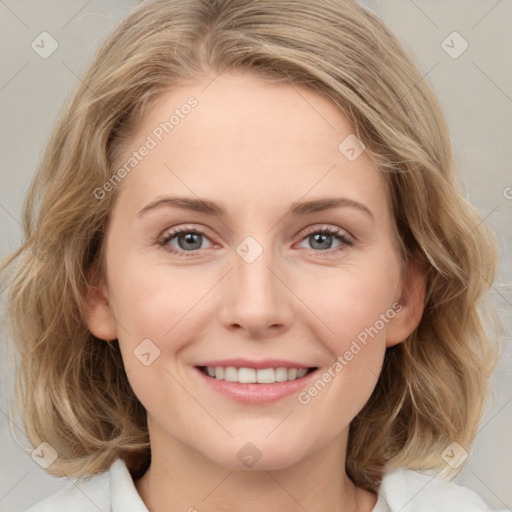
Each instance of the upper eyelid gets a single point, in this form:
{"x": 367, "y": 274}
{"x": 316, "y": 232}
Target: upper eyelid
{"x": 172, "y": 232}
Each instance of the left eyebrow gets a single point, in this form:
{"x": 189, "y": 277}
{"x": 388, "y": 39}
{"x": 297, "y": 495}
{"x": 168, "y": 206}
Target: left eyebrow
{"x": 297, "y": 208}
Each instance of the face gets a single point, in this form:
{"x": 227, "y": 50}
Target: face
{"x": 262, "y": 284}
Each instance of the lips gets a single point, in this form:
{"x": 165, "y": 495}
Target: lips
{"x": 241, "y": 387}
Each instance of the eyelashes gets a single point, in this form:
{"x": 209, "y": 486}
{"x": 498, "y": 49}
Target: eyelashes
{"x": 194, "y": 236}
{"x": 164, "y": 242}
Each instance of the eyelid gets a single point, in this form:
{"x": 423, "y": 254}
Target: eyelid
{"x": 345, "y": 239}
{"x": 183, "y": 227}
{"x": 314, "y": 228}
{"x": 170, "y": 233}
{"x": 326, "y": 227}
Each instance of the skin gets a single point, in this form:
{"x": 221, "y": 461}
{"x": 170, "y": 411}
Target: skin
{"x": 256, "y": 147}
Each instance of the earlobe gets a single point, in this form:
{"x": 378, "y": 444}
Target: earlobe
{"x": 412, "y": 301}
{"x": 98, "y": 314}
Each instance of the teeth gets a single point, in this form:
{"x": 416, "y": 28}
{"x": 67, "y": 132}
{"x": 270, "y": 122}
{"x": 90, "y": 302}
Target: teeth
{"x": 230, "y": 374}
{"x": 247, "y": 375}
{"x": 251, "y": 375}
{"x": 281, "y": 374}
{"x": 266, "y": 376}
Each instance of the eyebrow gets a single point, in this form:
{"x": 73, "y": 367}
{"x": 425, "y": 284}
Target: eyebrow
{"x": 297, "y": 208}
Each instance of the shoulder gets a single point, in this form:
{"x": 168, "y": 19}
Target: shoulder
{"x": 111, "y": 491}
{"x": 84, "y": 495}
{"x": 406, "y": 490}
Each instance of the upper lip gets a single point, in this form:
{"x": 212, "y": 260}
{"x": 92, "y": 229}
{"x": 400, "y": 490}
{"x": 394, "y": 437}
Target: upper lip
{"x": 257, "y": 365}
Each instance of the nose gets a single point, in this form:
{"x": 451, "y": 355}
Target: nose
{"x": 255, "y": 295}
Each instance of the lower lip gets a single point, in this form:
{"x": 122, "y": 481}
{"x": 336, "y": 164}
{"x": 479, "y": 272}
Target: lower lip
{"x": 257, "y": 393}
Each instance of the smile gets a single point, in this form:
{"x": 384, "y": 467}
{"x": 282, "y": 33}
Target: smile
{"x": 252, "y": 375}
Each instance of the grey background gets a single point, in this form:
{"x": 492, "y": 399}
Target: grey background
{"x": 475, "y": 90}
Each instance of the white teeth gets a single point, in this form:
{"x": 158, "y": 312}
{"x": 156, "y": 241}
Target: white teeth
{"x": 230, "y": 374}
{"x": 281, "y": 374}
{"x": 246, "y": 375}
{"x": 251, "y": 375}
{"x": 266, "y": 376}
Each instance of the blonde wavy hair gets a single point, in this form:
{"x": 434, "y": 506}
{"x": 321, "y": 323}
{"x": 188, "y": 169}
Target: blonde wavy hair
{"x": 71, "y": 387}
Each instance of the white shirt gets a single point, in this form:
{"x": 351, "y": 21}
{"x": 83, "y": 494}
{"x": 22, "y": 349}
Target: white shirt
{"x": 401, "y": 490}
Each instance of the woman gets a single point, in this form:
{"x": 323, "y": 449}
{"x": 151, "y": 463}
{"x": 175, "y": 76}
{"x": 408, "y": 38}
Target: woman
{"x": 186, "y": 335}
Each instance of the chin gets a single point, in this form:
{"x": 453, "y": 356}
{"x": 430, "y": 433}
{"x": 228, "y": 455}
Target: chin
{"x": 258, "y": 455}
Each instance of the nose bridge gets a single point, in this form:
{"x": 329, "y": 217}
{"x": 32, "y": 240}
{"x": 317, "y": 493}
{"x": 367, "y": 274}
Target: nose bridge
{"x": 252, "y": 267}
{"x": 255, "y": 298}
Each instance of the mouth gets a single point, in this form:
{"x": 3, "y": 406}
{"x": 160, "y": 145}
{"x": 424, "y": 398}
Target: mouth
{"x": 244, "y": 375}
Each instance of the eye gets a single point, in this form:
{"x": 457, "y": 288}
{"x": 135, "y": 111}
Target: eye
{"x": 189, "y": 240}
{"x": 322, "y": 238}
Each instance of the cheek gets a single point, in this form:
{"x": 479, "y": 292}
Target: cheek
{"x": 354, "y": 310}
{"x": 355, "y": 305}
{"x": 155, "y": 299}
{"x": 167, "y": 305}
{"x": 154, "y": 309}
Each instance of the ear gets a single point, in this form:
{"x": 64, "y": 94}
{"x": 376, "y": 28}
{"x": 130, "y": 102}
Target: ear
{"x": 412, "y": 301}
{"x": 99, "y": 316}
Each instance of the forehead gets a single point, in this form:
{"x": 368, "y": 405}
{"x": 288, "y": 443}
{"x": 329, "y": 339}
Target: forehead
{"x": 249, "y": 141}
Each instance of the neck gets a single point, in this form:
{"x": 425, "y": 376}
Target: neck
{"x": 181, "y": 479}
